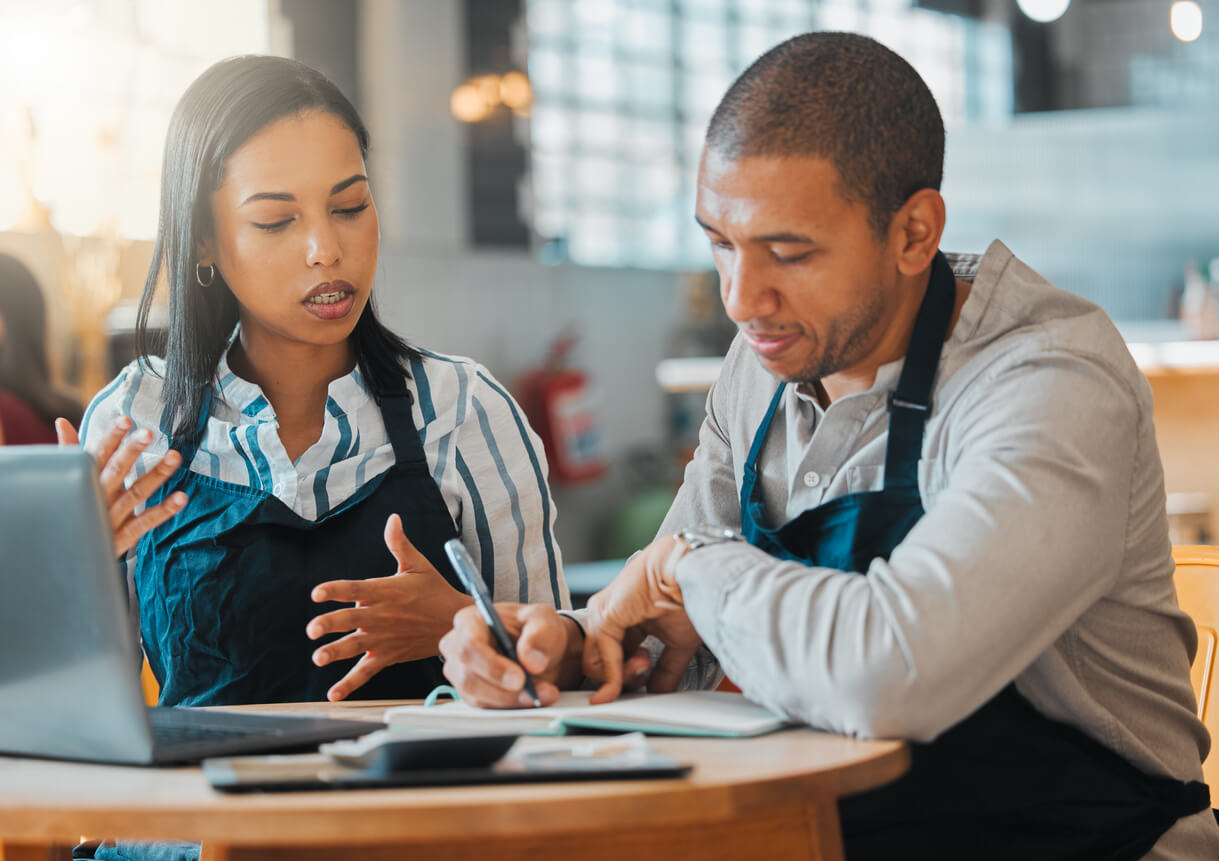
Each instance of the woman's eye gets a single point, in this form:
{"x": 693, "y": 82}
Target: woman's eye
{"x": 352, "y": 210}
{"x": 274, "y": 225}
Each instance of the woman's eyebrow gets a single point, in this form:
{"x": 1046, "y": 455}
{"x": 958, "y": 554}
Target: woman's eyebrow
{"x": 283, "y": 195}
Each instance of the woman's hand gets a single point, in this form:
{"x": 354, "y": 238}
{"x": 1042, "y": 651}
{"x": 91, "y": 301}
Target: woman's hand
{"x": 642, "y": 600}
{"x": 549, "y": 646}
{"x": 115, "y": 457}
{"x": 397, "y": 618}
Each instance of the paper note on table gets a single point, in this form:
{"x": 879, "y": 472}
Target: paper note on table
{"x": 695, "y": 713}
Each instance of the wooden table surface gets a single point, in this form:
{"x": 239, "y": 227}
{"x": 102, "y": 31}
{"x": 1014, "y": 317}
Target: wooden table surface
{"x": 768, "y": 797}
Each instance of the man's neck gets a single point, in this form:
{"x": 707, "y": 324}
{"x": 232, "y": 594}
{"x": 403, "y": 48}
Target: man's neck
{"x": 891, "y": 347}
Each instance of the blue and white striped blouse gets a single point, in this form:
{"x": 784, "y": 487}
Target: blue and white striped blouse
{"x": 485, "y": 459}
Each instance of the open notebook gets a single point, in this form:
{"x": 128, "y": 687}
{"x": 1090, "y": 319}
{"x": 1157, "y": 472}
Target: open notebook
{"x": 695, "y": 713}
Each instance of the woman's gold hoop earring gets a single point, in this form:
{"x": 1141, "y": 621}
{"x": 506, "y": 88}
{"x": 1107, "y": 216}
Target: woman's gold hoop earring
{"x": 211, "y": 275}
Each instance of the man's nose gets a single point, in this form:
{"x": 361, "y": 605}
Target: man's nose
{"x": 746, "y": 290}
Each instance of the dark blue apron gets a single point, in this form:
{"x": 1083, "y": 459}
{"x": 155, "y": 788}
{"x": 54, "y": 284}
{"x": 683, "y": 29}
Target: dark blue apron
{"x": 224, "y": 586}
{"x": 1005, "y": 782}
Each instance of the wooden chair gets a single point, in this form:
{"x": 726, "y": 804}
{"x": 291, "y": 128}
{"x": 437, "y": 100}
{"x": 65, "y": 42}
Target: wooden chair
{"x": 1197, "y": 581}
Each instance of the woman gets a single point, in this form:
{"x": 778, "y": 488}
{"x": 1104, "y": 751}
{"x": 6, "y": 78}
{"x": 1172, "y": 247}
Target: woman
{"x": 311, "y": 437}
{"x": 29, "y": 403}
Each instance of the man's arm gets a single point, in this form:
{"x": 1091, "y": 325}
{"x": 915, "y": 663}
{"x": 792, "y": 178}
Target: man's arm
{"x": 1028, "y": 533}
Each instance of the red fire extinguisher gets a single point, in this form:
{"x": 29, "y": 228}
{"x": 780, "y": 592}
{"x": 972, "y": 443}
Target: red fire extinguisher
{"x": 560, "y": 405}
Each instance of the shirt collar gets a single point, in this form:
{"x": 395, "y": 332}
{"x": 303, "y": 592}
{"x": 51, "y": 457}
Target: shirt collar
{"x": 345, "y": 394}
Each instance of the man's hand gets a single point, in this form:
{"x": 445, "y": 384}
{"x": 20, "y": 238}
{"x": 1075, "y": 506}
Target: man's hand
{"x": 549, "y": 646}
{"x": 642, "y": 600}
{"x": 396, "y": 618}
{"x": 115, "y": 458}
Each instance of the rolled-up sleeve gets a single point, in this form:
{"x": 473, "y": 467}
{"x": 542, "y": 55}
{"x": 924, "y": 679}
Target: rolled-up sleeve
{"x": 1027, "y": 533}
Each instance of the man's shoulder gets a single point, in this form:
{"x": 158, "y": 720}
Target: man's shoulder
{"x": 1019, "y": 316}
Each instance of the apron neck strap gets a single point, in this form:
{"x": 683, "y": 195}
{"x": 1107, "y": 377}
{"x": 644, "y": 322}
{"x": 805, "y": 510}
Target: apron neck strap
{"x": 759, "y": 437}
{"x": 400, "y": 426}
{"x": 910, "y": 402}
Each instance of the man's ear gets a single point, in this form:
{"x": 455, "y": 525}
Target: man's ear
{"x": 916, "y": 230}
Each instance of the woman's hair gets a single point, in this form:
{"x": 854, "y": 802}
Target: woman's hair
{"x": 226, "y": 106}
{"x": 24, "y": 369}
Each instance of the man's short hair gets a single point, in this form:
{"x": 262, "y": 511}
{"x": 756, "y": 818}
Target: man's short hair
{"x": 844, "y": 98}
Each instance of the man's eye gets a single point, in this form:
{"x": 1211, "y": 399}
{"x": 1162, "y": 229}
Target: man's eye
{"x": 796, "y": 258}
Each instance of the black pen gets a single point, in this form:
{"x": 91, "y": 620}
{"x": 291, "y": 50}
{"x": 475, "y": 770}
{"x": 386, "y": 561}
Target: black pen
{"x": 463, "y": 564}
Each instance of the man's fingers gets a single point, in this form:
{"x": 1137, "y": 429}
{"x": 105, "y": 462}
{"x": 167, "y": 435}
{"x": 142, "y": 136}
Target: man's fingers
{"x": 408, "y": 558}
{"x": 607, "y": 658}
{"x": 469, "y": 652}
{"x": 542, "y": 637}
{"x": 669, "y": 669}
{"x": 336, "y": 621}
{"x": 356, "y": 678}
{"x": 355, "y": 643}
{"x": 65, "y": 433}
{"x": 126, "y": 536}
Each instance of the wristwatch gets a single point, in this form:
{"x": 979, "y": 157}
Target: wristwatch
{"x": 695, "y": 537}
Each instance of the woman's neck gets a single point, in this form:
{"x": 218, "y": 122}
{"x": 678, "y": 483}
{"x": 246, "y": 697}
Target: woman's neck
{"x": 295, "y": 379}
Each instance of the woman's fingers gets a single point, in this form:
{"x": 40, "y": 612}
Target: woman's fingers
{"x": 126, "y": 536}
{"x": 65, "y": 433}
{"x": 119, "y": 464}
{"x": 142, "y": 488}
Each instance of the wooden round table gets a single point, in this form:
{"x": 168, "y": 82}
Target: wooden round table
{"x": 774, "y": 796}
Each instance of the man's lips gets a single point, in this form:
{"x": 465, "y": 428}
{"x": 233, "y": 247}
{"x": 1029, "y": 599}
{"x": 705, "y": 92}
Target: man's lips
{"x": 770, "y": 344}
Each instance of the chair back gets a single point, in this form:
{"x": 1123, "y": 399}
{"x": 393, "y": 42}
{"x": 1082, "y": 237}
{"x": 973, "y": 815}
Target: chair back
{"x": 1197, "y": 582}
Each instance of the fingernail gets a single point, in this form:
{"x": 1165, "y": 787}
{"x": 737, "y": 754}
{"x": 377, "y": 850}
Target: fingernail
{"x": 178, "y": 498}
{"x": 535, "y": 657}
{"x": 512, "y": 679}
{"x": 171, "y": 458}
{"x": 122, "y": 422}
{"x": 143, "y": 435}
{"x": 524, "y": 699}
{"x": 319, "y": 657}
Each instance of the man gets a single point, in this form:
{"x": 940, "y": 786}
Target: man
{"x": 949, "y": 501}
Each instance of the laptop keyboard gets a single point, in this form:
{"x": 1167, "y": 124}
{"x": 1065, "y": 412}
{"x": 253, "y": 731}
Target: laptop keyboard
{"x": 184, "y": 726}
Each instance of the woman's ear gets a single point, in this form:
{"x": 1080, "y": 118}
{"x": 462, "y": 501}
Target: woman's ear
{"x": 205, "y": 253}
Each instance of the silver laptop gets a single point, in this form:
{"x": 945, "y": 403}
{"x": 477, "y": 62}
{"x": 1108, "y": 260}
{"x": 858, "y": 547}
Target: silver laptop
{"x": 69, "y": 657}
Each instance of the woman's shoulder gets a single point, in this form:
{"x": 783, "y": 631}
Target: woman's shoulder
{"x": 444, "y": 382}
{"x": 135, "y": 392}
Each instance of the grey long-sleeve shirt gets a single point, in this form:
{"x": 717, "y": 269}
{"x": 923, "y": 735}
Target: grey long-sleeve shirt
{"x": 1043, "y": 556}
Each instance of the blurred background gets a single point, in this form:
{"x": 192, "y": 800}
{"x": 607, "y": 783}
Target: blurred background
{"x": 534, "y": 165}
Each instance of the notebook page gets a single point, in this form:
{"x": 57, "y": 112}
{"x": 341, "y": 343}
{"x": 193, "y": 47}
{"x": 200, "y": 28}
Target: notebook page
{"x": 716, "y": 712}
{"x": 460, "y": 715}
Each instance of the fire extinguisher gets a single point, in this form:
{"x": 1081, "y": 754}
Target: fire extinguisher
{"x": 560, "y": 405}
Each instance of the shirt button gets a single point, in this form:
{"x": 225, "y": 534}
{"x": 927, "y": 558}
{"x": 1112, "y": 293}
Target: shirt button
{"x": 811, "y": 479}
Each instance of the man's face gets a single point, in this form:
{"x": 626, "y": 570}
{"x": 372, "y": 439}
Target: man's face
{"x": 801, "y": 272}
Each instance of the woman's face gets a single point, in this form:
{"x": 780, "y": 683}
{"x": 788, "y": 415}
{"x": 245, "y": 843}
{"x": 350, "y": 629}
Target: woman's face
{"x": 296, "y": 232}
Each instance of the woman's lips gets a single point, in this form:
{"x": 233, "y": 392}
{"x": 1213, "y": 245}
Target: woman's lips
{"x": 330, "y": 301}
{"x": 769, "y": 345}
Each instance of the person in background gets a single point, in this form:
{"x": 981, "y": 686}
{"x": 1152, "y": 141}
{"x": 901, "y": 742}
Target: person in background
{"x": 927, "y": 501}
{"x": 29, "y": 401}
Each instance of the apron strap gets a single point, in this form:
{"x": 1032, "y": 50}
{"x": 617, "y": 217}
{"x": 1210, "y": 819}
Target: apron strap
{"x": 759, "y": 437}
{"x": 910, "y": 403}
{"x": 400, "y": 427}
